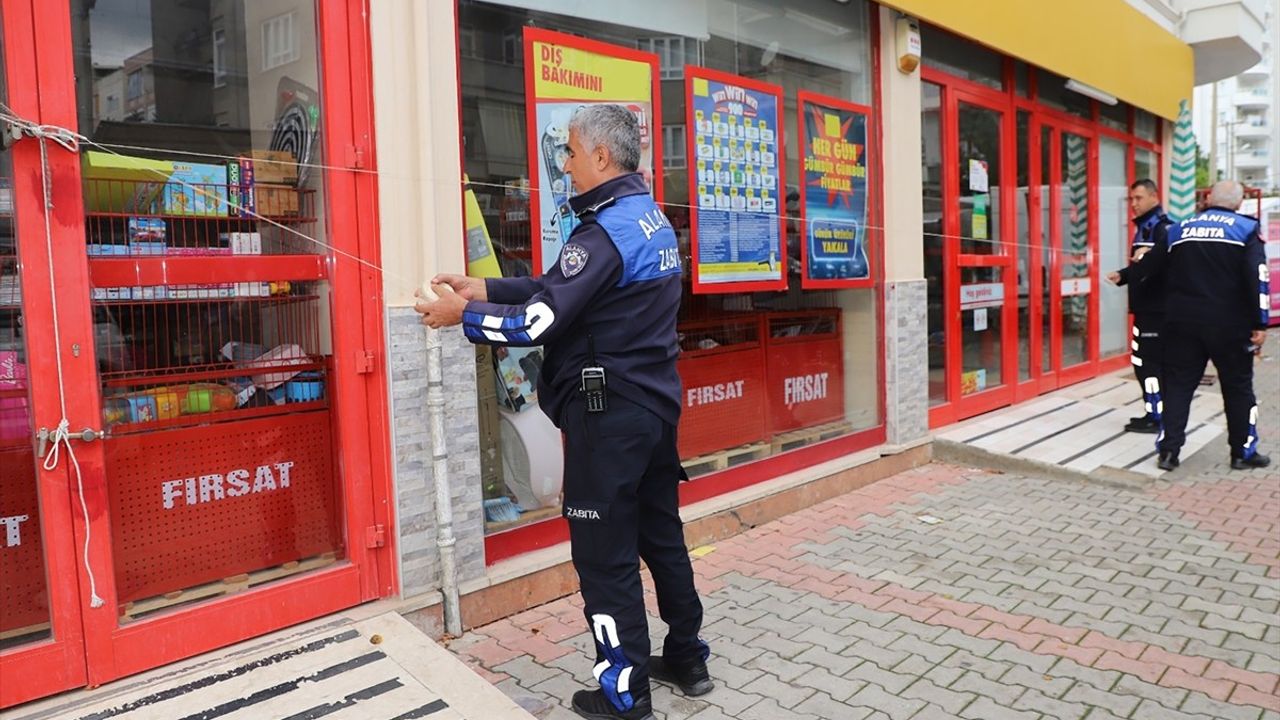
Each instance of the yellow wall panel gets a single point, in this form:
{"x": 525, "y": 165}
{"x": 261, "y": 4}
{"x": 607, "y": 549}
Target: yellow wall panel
{"x": 1104, "y": 43}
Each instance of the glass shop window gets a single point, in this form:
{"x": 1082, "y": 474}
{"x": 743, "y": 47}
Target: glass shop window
{"x": 764, "y": 372}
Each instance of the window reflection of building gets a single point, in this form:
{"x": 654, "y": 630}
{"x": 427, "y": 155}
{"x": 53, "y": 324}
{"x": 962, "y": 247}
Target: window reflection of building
{"x": 279, "y": 41}
{"x": 158, "y": 73}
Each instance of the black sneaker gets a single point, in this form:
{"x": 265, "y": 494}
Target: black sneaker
{"x": 1146, "y": 425}
{"x": 1169, "y": 461}
{"x": 1256, "y": 460}
{"x": 594, "y": 705}
{"x": 693, "y": 679}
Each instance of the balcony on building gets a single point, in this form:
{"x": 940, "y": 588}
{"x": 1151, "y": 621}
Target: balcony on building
{"x": 1256, "y": 97}
{"x": 1252, "y": 159}
{"x": 1254, "y": 129}
{"x": 1228, "y": 36}
{"x": 1257, "y": 73}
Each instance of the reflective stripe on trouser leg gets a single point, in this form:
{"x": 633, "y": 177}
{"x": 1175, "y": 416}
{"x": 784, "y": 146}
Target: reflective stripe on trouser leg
{"x": 1151, "y": 395}
{"x": 614, "y": 672}
{"x": 1251, "y": 440}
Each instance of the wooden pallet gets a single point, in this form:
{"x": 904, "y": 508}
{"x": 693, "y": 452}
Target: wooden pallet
{"x": 39, "y": 631}
{"x": 722, "y": 459}
{"x": 793, "y": 439}
{"x": 526, "y": 517}
{"x": 226, "y": 586}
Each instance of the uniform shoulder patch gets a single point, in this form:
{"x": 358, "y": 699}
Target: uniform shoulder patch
{"x": 573, "y": 259}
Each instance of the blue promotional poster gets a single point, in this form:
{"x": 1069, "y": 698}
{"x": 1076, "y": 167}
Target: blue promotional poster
{"x": 833, "y": 194}
{"x": 735, "y": 183}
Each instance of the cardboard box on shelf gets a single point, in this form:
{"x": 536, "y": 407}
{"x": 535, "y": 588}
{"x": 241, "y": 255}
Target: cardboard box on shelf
{"x": 274, "y": 166}
{"x": 147, "y": 247}
{"x": 276, "y": 200}
{"x": 146, "y": 229}
{"x": 487, "y": 399}
{"x": 196, "y": 189}
{"x": 243, "y": 243}
{"x": 105, "y": 250}
{"x": 120, "y": 183}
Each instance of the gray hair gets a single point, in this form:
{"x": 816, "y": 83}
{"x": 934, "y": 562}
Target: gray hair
{"x": 613, "y": 127}
{"x": 1226, "y": 194}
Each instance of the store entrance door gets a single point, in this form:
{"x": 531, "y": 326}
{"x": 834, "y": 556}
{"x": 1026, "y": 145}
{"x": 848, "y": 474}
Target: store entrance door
{"x": 170, "y": 278}
{"x": 1068, "y": 344}
{"x": 42, "y": 648}
{"x": 982, "y": 336}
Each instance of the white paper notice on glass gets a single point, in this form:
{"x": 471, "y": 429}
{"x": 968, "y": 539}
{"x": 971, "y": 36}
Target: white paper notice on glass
{"x": 980, "y": 319}
{"x": 978, "y": 176}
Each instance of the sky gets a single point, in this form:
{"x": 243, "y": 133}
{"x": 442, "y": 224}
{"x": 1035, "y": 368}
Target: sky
{"x": 119, "y": 29}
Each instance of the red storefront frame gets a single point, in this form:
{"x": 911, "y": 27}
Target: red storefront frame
{"x": 88, "y": 646}
{"x": 1010, "y": 102}
{"x": 553, "y": 531}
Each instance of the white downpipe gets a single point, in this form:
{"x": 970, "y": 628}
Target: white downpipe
{"x": 445, "y": 540}
{"x": 440, "y": 473}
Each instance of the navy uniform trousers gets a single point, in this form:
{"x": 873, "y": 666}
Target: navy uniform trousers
{"x": 621, "y": 475}
{"x": 1187, "y": 347}
{"x": 1148, "y": 360}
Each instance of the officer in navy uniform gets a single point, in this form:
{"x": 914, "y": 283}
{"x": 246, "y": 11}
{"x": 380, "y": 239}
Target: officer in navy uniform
{"x": 1146, "y": 302}
{"x": 606, "y": 314}
{"x": 1218, "y": 306}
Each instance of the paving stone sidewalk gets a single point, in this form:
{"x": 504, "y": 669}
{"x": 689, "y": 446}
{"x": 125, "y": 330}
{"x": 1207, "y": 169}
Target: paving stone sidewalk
{"x": 1030, "y": 599}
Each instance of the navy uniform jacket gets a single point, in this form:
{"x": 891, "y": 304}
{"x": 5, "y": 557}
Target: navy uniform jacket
{"x": 618, "y": 281}
{"x": 1215, "y": 271}
{"x": 1146, "y": 296}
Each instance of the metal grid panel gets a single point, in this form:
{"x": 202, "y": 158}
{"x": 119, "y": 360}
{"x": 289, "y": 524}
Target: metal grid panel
{"x": 177, "y": 354}
{"x": 24, "y": 599}
{"x": 179, "y": 518}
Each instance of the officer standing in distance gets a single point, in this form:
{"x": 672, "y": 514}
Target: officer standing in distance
{"x": 1146, "y": 302}
{"x": 606, "y": 314}
{"x": 1218, "y": 305}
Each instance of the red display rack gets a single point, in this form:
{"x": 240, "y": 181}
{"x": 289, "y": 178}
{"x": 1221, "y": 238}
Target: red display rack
{"x": 202, "y": 312}
{"x": 805, "y": 368}
{"x": 722, "y": 369}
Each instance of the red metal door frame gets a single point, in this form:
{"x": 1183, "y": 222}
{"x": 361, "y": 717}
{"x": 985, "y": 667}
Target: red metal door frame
{"x": 1049, "y": 378}
{"x": 1036, "y": 238}
{"x": 978, "y": 403}
{"x": 1063, "y": 376}
{"x": 112, "y": 651}
{"x": 41, "y": 668}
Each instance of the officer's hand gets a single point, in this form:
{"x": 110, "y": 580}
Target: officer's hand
{"x": 1113, "y": 278}
{"x": 470, "y": 288}
{"x": 445, "y": 312}
{"x": 1258, "y": 338}
{"x": 1137, "y": 254}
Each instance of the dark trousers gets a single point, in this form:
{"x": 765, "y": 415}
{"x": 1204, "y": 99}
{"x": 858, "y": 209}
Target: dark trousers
{"x": 1148, "y": 360}
{"x": 621, "y": 475}
{"x": 1188, "y": 346}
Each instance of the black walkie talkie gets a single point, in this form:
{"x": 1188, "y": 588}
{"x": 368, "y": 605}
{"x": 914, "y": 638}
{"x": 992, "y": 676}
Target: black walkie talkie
{"x": 593, "y": 382}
